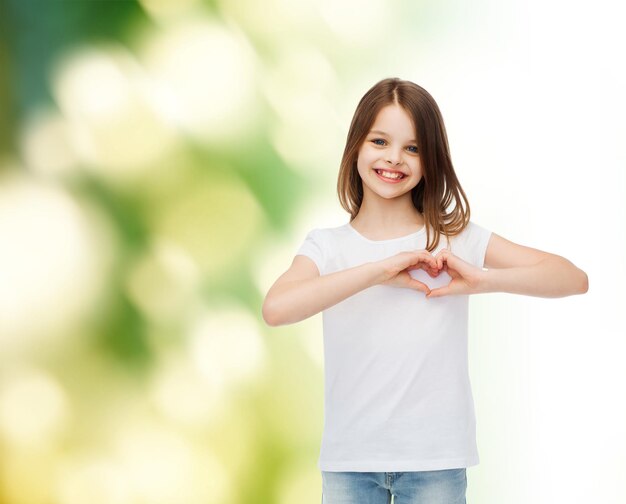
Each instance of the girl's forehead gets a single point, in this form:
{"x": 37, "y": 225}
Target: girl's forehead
{"x": 392, "y": 117}
{"x": 402, "y": 130}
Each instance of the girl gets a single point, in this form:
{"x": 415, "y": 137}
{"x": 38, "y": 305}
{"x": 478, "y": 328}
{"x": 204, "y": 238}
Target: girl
{"x": 393, "y": 284}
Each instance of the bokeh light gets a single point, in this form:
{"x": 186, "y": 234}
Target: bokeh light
{"x": 207, "y": 71}
{"x": 114, "y": 127}
{"x": 53, "y": 247}
{"x": 33, "y": 408}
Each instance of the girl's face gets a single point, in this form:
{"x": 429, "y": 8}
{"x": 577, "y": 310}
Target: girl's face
{"x": 390, "y": 145}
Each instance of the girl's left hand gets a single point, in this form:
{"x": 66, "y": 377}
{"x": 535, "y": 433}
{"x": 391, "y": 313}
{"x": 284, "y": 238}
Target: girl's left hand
{"x": 466, "y": 278}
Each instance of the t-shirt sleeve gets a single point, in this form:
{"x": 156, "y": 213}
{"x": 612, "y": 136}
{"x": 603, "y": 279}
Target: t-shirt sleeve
{"x": 313, "y": 248}
{"x": 476, "y": 241}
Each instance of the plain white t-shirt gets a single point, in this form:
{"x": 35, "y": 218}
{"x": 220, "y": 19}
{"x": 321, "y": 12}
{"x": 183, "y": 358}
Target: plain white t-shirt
{"x": 397, "y": 394}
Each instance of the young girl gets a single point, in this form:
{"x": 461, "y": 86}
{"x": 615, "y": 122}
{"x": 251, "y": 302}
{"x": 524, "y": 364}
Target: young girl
{"x": 393, "y": 284}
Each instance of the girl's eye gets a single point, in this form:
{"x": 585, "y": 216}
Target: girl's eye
{"x": 381, "y": 140}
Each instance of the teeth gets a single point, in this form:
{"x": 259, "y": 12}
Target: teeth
{"x": 390, "y": 174}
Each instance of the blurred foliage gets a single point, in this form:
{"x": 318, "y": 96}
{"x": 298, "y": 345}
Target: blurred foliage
{"x": 135, "y": 366}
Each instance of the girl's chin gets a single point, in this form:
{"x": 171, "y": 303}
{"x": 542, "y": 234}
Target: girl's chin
{"x": 390, "y": 191}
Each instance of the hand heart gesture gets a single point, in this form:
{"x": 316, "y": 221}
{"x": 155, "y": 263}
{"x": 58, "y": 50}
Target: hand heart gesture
{"x": 466, "y": 278}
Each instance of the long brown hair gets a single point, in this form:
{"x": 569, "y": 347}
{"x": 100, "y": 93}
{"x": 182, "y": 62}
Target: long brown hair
{"x": 439, "y": 185}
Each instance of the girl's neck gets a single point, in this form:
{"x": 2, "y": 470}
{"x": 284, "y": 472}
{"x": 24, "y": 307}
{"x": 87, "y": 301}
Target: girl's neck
{"x": 389, "y": 223}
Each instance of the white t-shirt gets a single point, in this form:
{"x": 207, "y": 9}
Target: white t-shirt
{"x": 397, "y": 394}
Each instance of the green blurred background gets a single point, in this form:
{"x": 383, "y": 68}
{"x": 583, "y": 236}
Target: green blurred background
{"x": 160, "y": 162}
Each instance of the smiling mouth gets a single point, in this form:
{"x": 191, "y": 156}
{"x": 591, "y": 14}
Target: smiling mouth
{"x": 390, "y": 175}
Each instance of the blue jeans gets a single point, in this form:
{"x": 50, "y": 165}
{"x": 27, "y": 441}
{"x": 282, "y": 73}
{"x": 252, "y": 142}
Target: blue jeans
{"x": 446, "y": 486}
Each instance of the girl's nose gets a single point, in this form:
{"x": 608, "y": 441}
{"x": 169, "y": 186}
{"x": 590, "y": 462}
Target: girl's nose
{"x": 394, "y": 156}
{"x": 393, "y": 159}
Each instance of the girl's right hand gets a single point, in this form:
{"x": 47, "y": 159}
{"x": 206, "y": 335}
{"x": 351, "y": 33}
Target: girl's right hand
{"x": 396, "y": 269}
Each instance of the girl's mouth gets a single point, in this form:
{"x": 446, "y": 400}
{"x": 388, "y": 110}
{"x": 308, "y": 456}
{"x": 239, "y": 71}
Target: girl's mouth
{"x": 391, "y": 177}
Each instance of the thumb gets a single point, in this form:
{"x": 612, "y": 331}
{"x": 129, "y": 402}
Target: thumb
{"x": 439, "y": 292}
{"x": 416, "y": 284}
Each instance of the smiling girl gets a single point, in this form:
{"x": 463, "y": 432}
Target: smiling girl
{"x": 393, "y": 285}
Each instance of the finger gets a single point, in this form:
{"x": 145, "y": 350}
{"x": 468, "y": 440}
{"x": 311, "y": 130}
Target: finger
{"x": 422, "y": 263}
{"x": 420, "y": 286}
{"x": 441, "y": 291}
{"x": 438, "y": 259}
{"x": 430, "y": 259}
{"x": 443, "y": 257}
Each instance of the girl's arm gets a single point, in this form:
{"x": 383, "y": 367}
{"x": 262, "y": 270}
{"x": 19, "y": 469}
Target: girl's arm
{"x": 518, "y": 269}
{"x": 551, "y": 277}
{"x": 301, "y": 291}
